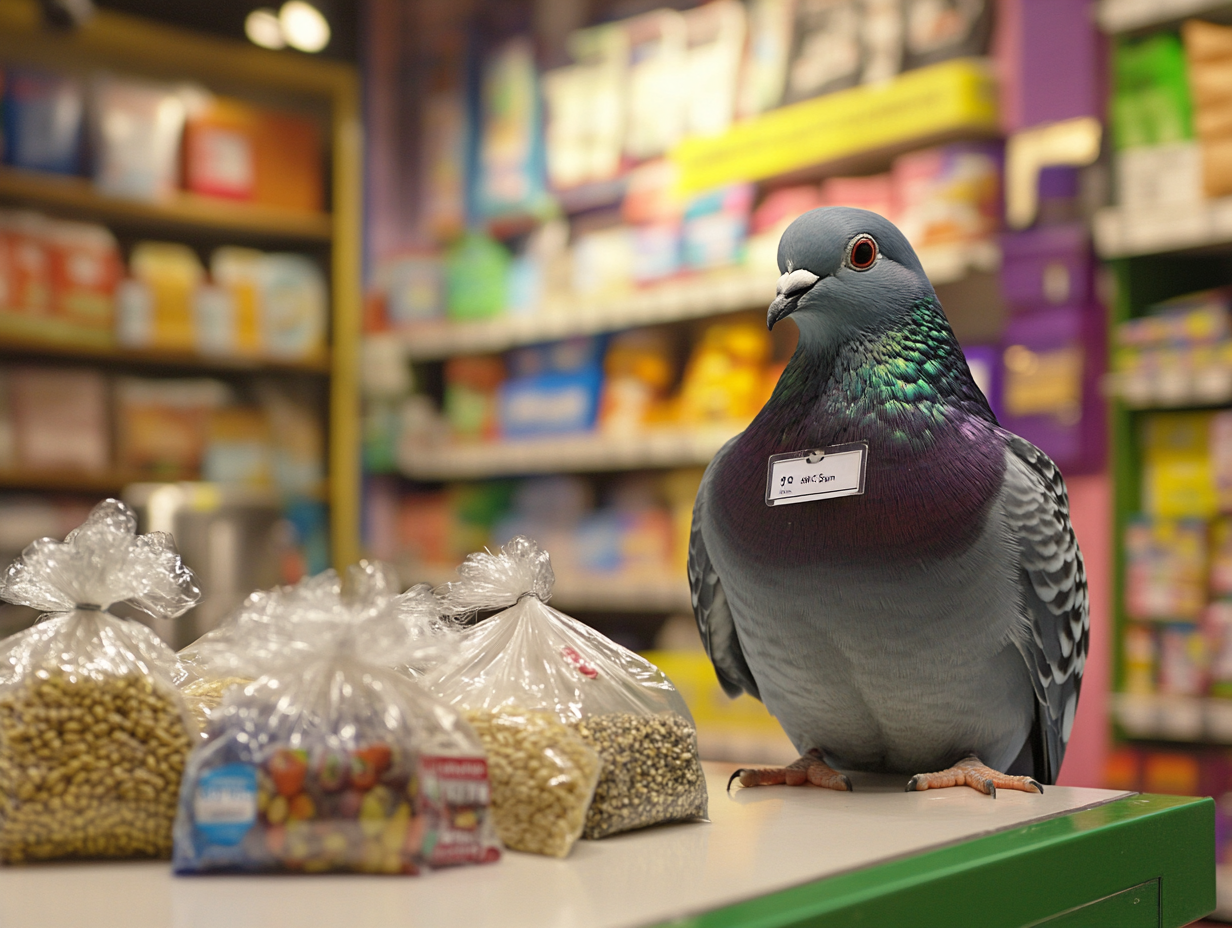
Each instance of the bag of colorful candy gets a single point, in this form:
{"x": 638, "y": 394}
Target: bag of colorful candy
{"x": 332, "y": 759}
{"x": 406, "y": 632}
{"x": 531, "y": 663}
{"x": 93, "y": 733}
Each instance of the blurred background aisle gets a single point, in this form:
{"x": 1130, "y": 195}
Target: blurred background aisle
{"x": 404, "y": 279}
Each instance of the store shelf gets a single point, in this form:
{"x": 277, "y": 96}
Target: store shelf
{"x": 1174, "y": 389}
{"x": 18, "y": 346}
{"x": 679, "y": 300}
{"x": 1128, "y": 15}
{"x": 590, "y": 592}
{"x": 1190, "y": 719}
{"x": 855, "y": 131}
{"x": 589, "y": 451}
{"x": 1126, "y": 233}
{"x": 66, "y": 481}
{"x": 183, "y": 211}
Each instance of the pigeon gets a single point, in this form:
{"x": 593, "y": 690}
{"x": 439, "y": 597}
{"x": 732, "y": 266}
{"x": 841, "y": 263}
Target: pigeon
{"x": 934, "y": 624}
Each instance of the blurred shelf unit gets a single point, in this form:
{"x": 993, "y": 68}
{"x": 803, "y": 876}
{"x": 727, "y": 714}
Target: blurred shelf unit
{"x": 1127, "y": 233}
{"x": 1129, "y": 15}
{"x": 1155, "y": 717}
{"x": 131, "y": 46}
{"x": 16, "y": 346}
{"x": 854, "y": 131}
{"x": 591, "y": 592}
{"x": 580, "y": 453}
{"x": 183, "y": 212}
{"x": 695, "y": 297}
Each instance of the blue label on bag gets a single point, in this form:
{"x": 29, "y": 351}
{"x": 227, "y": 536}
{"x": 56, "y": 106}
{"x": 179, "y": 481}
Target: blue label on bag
{"x": 225, "y": 803}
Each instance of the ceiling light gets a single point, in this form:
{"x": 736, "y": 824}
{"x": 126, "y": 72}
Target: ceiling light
{"x": 263, "y": 28}
{"x": 303, "y": 26}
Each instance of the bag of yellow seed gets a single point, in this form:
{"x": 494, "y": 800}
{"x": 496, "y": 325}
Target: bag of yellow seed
{"x": 93, "y": 734}
{"x": 334, "y": 759}
{"x": 406, "y": 633}
{"x": 532, "y": 658}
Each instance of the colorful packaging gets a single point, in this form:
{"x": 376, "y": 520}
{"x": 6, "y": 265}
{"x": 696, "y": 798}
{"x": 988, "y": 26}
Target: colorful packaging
{"x": 1165, "y": 569}
{"x": 827, "y": 51}
{"x": 511, "y": 167}
{"x": 1182, "y": 661}
{"x": 171, "y": 272}
{"x": 716, "y": 226}
{"x": 764, "y": 73}
{"x": 413, "y": 287}
{"x": 715, "y": 41}
{"x": 874, "y": 193}
{"x": 237, "y": 447}
{"x": 60, "y": 419}
{"x": 938, "y": 31}
{"x": 1150, "y": 104}
{"x": 723, "y": 378}
{"x": 637, "y": 372}
{"x": 1177, "y": 476}
{"x": 238, "y": 272}
{"x": 530, "y": 662}
{"x": 551, "y": 403}
{"x": 1217, "y": 627}
{"x": 948, "y": 194}
{"x": 85, "y": 271}
{"x": 162, "y": 425}
{"x": 476, "y": 277}
{"x": 42, "y": 116}
{"x": 25, "y": 265}
{"x": 658, "y": 61}
{"x": 294, "y": 306}
{"x": 585, "y": 108}
{"x": 470, "y": 404}
{"x": 1141, "y": 651}
{"x": 137, "y": 129}
{"x": 332, "y": 760}
{"x": 1221, "y": 557}
{"x": 106, "y": 789}
{"x": 220, "y": 158}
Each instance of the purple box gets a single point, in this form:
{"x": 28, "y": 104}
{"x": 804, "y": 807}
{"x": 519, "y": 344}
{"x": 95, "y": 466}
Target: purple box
{"x": 1047, "y": 267}
{"x": 1052, "y": 361}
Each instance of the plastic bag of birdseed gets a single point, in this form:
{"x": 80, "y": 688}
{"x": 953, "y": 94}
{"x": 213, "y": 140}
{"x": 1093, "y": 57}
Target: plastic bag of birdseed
{"x": 334, "y": 758}
{"x": 93, "y": 733}
{"x": 531, "y": 657}
{"x": 403, "y": 631}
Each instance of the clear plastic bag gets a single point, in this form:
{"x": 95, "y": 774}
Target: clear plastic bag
{"x": 332, "y": 760}
{"x": 533, "y": 657}
{"x": 403, "y": 631}
{"x": 93, "y": 734}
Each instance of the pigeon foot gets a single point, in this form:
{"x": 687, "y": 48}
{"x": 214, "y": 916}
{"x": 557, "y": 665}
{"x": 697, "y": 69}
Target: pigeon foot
{"x": 808, "y": 769}
{"x": 971, "y": 771}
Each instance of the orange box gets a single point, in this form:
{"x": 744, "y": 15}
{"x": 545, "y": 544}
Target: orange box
{"x": 235, "y": 150}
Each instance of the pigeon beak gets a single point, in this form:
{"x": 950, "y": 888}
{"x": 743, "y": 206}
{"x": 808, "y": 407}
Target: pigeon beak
{"x": 790, "y": 288}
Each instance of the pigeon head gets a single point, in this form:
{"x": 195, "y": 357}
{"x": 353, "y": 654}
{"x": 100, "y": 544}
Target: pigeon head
{"x": 845, "y": 271}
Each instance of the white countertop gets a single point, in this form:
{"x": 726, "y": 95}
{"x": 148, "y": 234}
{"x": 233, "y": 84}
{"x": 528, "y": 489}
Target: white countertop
{"x": 758, "y": 841}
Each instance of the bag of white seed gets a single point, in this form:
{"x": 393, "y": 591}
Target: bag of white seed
{"x": 533, "y": 657}
{"x": 405, "y": 631}
{"x": 93, "y": 734}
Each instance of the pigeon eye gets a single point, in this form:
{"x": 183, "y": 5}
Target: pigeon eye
{"x": 862, "y": 252}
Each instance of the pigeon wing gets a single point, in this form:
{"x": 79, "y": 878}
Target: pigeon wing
{"x": 1053, "y": 581}
{"x": 710, "y": 606}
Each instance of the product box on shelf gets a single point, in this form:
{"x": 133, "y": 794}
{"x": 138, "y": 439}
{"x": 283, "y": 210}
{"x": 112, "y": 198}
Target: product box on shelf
{"x": 60, "y": 419}
{"x": 1046, "y": 266}
{"x": 550, "y": 403}
{"x": 1051, "y": 366}
{"x": 136, "y": 132}
{"x": 42, "y": 116}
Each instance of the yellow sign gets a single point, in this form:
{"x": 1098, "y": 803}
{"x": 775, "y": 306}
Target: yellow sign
{"x": 954, "y": 96}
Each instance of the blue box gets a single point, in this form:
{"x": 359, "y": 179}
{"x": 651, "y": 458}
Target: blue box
{"x": 43, "y": 117}
{"x": 551, "y": 403}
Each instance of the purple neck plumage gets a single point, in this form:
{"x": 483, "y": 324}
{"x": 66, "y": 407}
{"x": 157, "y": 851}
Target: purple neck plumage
{"x": 936, "y": 456}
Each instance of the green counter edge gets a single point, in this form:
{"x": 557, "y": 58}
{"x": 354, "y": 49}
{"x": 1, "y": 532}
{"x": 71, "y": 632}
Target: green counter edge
{"x": 1073, "y": 859}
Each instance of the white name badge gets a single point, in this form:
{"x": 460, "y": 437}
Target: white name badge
{"x": 823, "y": 473}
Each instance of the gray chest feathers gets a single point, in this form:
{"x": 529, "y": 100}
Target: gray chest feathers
{"x": 900, "y": 667}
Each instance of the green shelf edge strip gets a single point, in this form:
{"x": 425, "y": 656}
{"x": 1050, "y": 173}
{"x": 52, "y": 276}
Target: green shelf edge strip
{"x": 1072, "y": 860}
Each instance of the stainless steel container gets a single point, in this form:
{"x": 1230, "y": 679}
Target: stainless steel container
{"x": 232, "y": 537}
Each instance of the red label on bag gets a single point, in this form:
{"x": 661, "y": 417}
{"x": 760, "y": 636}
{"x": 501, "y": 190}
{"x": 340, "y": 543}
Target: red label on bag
{"x": 578, "y": 661}
{"x": 456, "y": 800}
